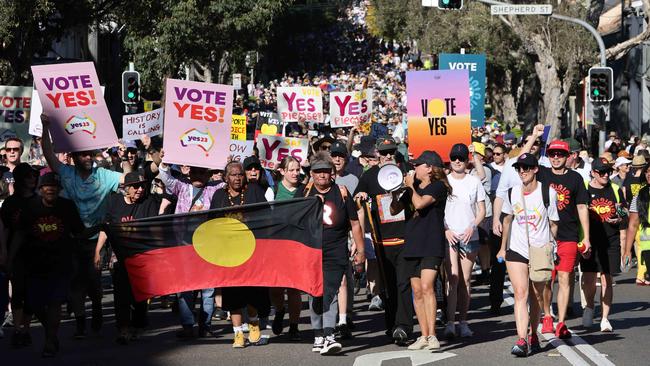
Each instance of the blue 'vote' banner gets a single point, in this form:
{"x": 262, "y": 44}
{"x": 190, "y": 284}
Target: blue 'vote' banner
{"x": 476, "y": 66}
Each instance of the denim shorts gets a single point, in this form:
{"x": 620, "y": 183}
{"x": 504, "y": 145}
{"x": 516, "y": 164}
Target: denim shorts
{"x": 469, "y": 247}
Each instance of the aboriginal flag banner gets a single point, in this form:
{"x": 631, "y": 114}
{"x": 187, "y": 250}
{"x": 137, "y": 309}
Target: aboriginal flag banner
{"x": 275, "y": 244}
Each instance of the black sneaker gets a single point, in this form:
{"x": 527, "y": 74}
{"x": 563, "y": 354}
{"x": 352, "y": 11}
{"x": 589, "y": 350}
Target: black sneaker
{"x": 277, "y": 325}
{"x": 219, "y": 314}
{"x": 18, "y": 339}
{"x": 520, "y": 349}
{"x": 122, "y": 339}
{"x": 400, "y": 337}
{"x": 330, "y": 346}
{"x": 96, "y": 324}
{"x": 204, "y": 332}
{"x": 342, "y": 331}
{"x": 185, "y": 333}
{"x": 49, "y": 350}
{"x": 294, "y": 334}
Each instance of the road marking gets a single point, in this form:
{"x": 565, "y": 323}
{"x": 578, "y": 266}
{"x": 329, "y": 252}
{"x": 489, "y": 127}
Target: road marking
{"x": 566, "y": 350}
{"x": 417, "y": 357}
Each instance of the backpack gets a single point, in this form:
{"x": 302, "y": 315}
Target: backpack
{"x": 494, "y": 183}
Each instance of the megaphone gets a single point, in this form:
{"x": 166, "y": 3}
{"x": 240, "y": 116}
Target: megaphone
{"x": 390, "y": 177}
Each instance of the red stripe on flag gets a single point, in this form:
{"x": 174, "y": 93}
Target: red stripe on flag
{"x": 274, "y": 263}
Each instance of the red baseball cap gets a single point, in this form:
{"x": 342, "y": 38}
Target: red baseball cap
{"x": 558, "y": 145}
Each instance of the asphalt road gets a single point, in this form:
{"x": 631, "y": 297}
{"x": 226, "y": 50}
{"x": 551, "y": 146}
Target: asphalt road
{"x": 627, "y": 345}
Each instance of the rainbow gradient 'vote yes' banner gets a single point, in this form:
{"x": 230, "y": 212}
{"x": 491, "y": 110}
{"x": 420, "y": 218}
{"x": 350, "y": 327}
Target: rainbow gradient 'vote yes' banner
{"x": 438, "y": 110}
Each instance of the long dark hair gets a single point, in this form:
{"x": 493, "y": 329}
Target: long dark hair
{"x": 642, "y": 201}
{"x": 439, "y": 174}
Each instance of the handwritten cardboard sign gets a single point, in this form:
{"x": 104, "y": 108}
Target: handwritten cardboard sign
{"x": 300, "y": 102}
{"x": 350, "y": 108}
{"x": 275, "y": 148}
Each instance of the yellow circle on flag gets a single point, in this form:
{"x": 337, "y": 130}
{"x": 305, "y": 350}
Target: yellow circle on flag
{"x": 437, "y": 107}
{"x": 225, "y": 241}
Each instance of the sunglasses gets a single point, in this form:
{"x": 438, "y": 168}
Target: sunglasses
{"x": 603, "y": 174}
{"x": 497, "y": 153}
{"x": 557, "y": 154}
{"x": 525, "y": 168}
{"x": 462, "y": 159}
{"x": 387, "y": 152}
{"x": 10, "y": 149}
{"x": 137, "y": 185}
{"x": 324, "y": 147}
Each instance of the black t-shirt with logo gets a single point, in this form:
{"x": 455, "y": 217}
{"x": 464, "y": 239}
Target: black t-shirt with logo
{"x": 337, "y": 213}
{"x": 602, "y": 205}
{"x": 370, "y": 185}
{"x": 571, "y": 191}
{"x": 425, "y": 229}
{"x": 119, "y": 211}
{"x": 49, "y": 233}
{"x": 632, "y": 186}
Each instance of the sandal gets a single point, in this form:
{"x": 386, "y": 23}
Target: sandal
{"x": 640, "y": 282}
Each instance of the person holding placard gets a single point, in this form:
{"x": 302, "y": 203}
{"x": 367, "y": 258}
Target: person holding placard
{"x": 89, "y": 188}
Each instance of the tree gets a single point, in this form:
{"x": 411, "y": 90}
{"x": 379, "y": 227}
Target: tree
{"x": 558, "y": 51}
{"x": 28, "y": 28}
{"x": 201, "y": 35}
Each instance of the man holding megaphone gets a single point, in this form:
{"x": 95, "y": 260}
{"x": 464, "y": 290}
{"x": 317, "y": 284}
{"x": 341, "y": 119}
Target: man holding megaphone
{"x": 388, "y": 239}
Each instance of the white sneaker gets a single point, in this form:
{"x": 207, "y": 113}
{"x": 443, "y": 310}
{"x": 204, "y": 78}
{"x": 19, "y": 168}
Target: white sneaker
{"x": 420, "y": 343}
{"x": 433, "y": 343}
{"x": 318, "y": 344}
{"x": 330, "y": 346}
{"x": 587, "y": 317}
{"x": 605, "y": 326}
{"x": 450, "y": 330}
{"x": 244, "y": 327}
{"x": 464, "y": 330}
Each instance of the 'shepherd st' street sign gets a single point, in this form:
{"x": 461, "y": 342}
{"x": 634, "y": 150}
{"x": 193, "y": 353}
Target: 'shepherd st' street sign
{"x": 533, "y": 9}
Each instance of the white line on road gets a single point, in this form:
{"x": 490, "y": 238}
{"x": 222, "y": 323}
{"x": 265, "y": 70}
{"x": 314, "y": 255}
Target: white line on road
{"x": 580, "y": 344}
{"x": 417, "y": 357}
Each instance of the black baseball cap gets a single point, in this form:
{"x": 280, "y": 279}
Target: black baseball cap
{"x": 459, "y": 151}
{"x": 251, "y": 161}
{"x": 338, "y": 148}
{"x": 49, "y": 179}
{"x": 525, "y": 160}
{"x": 386, "y": 143}
{"x": 430, "y": 158}
{"x": 601, "y": 165}
{"x": 23, "y": 170}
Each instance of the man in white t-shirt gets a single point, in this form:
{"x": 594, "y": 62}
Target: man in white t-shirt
{"x": 531, "y": 218}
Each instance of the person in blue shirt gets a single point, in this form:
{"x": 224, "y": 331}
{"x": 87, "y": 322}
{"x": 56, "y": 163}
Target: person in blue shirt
{"x": 88, "y": 187}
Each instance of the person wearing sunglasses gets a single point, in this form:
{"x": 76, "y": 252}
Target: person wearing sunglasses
{"x": 606, "y": 213}
{"x": 574, "y": 214}
{"x": 134, "y": 204}
{"x": 391, "y": 232}
{"x": 531, "y": 218}
{"x": 13, "y": 150}
{"x": 464, "y": 212}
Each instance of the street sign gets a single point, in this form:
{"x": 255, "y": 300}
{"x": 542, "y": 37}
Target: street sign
{"x": 236, "y": 81}
{"x": 533, "y": 9}
{"x": 430, "y": 3}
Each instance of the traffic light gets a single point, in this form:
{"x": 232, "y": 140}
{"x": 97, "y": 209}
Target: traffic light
{"x": 601, "y": 84}
{"x": 450, "y": 4}
{"x": 130, "y": 87}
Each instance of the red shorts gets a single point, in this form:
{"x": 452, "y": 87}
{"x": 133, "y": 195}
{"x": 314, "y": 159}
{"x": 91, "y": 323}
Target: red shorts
{"x": 567, "y": 253}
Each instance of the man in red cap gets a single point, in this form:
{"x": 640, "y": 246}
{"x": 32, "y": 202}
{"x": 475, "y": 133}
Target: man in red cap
{"x": 572, "y": 207}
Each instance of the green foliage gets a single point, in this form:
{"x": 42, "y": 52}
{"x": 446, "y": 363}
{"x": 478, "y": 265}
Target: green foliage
{"x": 28, "y": 28}
{"x": 167, "y": 35}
